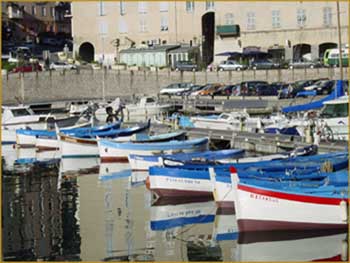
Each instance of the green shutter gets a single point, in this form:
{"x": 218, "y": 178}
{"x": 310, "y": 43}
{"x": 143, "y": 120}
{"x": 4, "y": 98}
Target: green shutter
{"x": 228, "y": 30}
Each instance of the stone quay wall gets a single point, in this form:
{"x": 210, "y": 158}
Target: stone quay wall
{"x": 51, "y": 86}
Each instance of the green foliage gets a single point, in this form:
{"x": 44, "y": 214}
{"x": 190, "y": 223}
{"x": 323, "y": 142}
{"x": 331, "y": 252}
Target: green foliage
{"x": 8, "y": 66}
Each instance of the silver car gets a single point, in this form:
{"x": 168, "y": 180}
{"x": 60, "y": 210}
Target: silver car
{"x": 230, "y": 65}
{"x": 61, "y": 66}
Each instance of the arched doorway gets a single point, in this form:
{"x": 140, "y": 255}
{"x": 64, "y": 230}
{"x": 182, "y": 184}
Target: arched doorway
{"x": 300, "y": 50}
{"x": 324, "y": 46}
{"x": 87, "y": 52}
{"x": 208, "y": 30}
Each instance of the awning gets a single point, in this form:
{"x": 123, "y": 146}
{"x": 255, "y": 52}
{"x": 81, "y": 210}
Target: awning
{"x": 229, "y": 54}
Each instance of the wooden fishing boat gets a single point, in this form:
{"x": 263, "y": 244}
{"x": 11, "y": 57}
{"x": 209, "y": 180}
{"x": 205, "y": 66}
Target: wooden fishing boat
{"x": 86, "y": 145}
{"x": 143, "y": 162}
{"x": 29, "y": 137}
{"x": 261, "y": 208}
{"x": 142, "y": 138}
{"x": 111, "y": 151}
{"x": 179, "y": 183}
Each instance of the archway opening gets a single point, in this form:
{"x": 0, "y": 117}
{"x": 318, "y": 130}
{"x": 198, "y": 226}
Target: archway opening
{"x": 324, "y": 46}
{"x": 208, "y": 31}
{"x": 87, "y": 52}
{"x": 300, "y": 50}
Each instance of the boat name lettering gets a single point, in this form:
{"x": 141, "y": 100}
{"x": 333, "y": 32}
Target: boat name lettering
{"x": 182, "y": 180}
{"x": 263, "y": 197}
{"x": 184, "y": 213}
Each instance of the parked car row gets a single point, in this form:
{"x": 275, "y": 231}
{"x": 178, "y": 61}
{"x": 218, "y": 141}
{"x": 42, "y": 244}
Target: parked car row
{"x": 233, "y": 65}
{"x": 33, "y": 67}
{"x": 283, "y": 90}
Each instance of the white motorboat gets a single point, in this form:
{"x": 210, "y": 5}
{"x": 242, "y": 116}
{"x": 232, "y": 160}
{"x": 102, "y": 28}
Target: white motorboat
{"x": 146, "y": 108}
{"x": 22, "y": 117}
{"x": 331, "y": 123}
{"x": 234, "y": 121}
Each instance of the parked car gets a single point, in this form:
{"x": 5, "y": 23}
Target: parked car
{"x": 208, "y": 90}
{"x": 194, "y": 88}
{"x": 264, "y": 64}
{"x": 224, "y": 90}
{"x": 28, "y": 68}
{"x": 322, "y": 87}
{"x": 230, "y": 65}
{"x": 248, "y": 88}
{"x": 62, "y": 65}
{"x": 176, "y": 88}
{"x": 304, "y": 64}
{"x": 274, "y": 89}
{"x": 185, "y": 65}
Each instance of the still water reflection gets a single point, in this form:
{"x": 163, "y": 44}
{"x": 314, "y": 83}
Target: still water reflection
{"x": 77, "y": 209}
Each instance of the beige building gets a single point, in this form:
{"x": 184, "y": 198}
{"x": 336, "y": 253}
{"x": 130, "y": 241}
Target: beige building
{"x": 284, "y": 29}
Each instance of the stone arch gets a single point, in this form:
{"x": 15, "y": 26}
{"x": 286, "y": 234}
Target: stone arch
{"x": 87, "y": 52}
{"x": 299, "y": 50}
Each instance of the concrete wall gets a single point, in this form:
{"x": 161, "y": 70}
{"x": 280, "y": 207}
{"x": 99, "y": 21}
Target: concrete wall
{"x": 71, "y": 85}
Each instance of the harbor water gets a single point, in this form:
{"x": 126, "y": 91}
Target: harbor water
{"x": 81, "y": 210}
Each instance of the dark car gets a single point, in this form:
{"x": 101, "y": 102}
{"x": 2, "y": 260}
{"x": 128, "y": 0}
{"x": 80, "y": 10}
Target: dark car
{"x": 28, "y": 68}
{"x": 322, "y": 87}
{"x": 185, "y": 66}
{"x": 224, "y": 90}
{"x": 304, "y": 64}
{"x": 193, "y": 88}
{"x": 267, "y": 90}
{"x": 248, "y": 88}
{"x": 264, "y": 64}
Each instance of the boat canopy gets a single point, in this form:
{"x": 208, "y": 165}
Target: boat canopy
{"x": 337, "y": 92}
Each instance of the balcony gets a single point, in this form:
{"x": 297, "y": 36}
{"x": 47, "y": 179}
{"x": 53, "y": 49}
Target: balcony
{"x": 15, "y": 13}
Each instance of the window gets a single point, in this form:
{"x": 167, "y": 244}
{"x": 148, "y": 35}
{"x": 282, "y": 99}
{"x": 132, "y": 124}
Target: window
{"x": 43, "y": 11}
{"x": 103, "y": 28}
{"x": 123, "y": 27}
{"x": 164, "y": 23}
{"x": 33, "y": 10}
{"x": 122, "y": 8}
{"x": 276, "y": 22}
{"x": 209, "y": 5}
{"x": 301, "y": 17}
{"x": 327, "y": 16}
{"x": 142, "y": 7}
{"x": 101, "y": 8}
{"x": 189, "y": 6}
{"x": 250, "y": 20}
{"x": 163, "y": 7}
{"x": 143, "y": 24}
{"x": 52, "y": 11}
{"x": 229, "y": 19}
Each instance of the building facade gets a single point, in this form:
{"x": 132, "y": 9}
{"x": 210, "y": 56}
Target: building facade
{"x": 24, "y": 21}
{"x": 287, "y": 30}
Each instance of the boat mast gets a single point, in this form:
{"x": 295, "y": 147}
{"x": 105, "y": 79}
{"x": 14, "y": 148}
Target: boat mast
{"x": 339, "y": 43}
